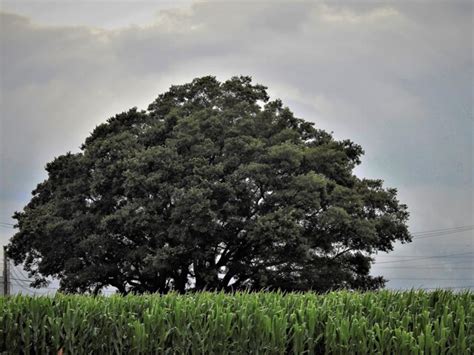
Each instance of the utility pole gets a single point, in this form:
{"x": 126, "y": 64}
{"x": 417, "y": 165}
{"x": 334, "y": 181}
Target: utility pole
{"x": 5, "y": 289}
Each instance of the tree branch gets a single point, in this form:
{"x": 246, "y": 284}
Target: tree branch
{"x": 342, "y": 253}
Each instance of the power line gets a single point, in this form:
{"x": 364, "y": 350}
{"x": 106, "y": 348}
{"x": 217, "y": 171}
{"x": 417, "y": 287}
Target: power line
{"x": 425, "y": 267}
{"x": 21, "y": 273}
{"x": 413, "y": 256}
{"x": 34, "y": 290}
{"x": 22, "y": 287}
{"x": 448, "y": 287}
{"x": 428, "y": 278}
{"x": 17, "y": 283}
{"x": 456, "y": 262}
{"x": 432, "y": 288}
{"x": 17, "y": 277}
{"x": 441, "y": 234}
{"x": 18, "y": 280}
{"x": 442, "y": 230}
{"x": 448, "y": 263}
{"x": 458, "y": 255}
{"x": 8, "y": 224}
{"x": 423, "y": 258}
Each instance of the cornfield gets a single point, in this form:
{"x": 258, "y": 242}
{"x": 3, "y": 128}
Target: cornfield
{"x": 414, "y": 322}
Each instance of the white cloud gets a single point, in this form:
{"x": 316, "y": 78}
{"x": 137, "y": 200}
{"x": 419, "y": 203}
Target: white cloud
{"x": 346, "y": 16}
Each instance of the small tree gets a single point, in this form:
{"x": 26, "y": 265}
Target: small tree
{"x": 214, "y": 187}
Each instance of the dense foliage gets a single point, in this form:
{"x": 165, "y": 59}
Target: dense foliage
{"x": 385, "y": 322}
{"x": 214, "y": 187}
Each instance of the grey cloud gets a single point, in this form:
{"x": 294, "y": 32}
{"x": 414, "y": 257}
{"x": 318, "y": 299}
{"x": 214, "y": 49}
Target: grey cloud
{"x": 93, "y": 13}
{"x": 394, "y": 77}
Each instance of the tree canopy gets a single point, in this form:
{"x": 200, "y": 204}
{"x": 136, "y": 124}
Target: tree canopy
{"x": 213, "y": 187}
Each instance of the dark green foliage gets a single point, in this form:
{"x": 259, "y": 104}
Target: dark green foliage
{"x": 214, "y": 187}
{"x": 384, "y": 322}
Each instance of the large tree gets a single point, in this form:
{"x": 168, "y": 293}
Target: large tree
{"x": 213, "y": 187}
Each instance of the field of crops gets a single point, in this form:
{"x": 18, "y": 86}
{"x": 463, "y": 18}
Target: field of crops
{"x": 415, "y": 322}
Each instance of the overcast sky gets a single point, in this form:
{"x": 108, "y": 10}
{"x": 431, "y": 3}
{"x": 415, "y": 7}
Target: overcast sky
{"x": 396, "y": 78}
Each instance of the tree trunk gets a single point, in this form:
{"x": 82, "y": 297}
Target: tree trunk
{"x": 180, "y": 281}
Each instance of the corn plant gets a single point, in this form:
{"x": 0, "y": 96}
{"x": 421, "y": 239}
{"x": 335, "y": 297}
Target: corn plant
{"x": 413, "y": 322}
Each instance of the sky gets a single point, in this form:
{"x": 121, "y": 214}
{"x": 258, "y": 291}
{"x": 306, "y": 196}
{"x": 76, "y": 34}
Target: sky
{"x": 395, "y": 77}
